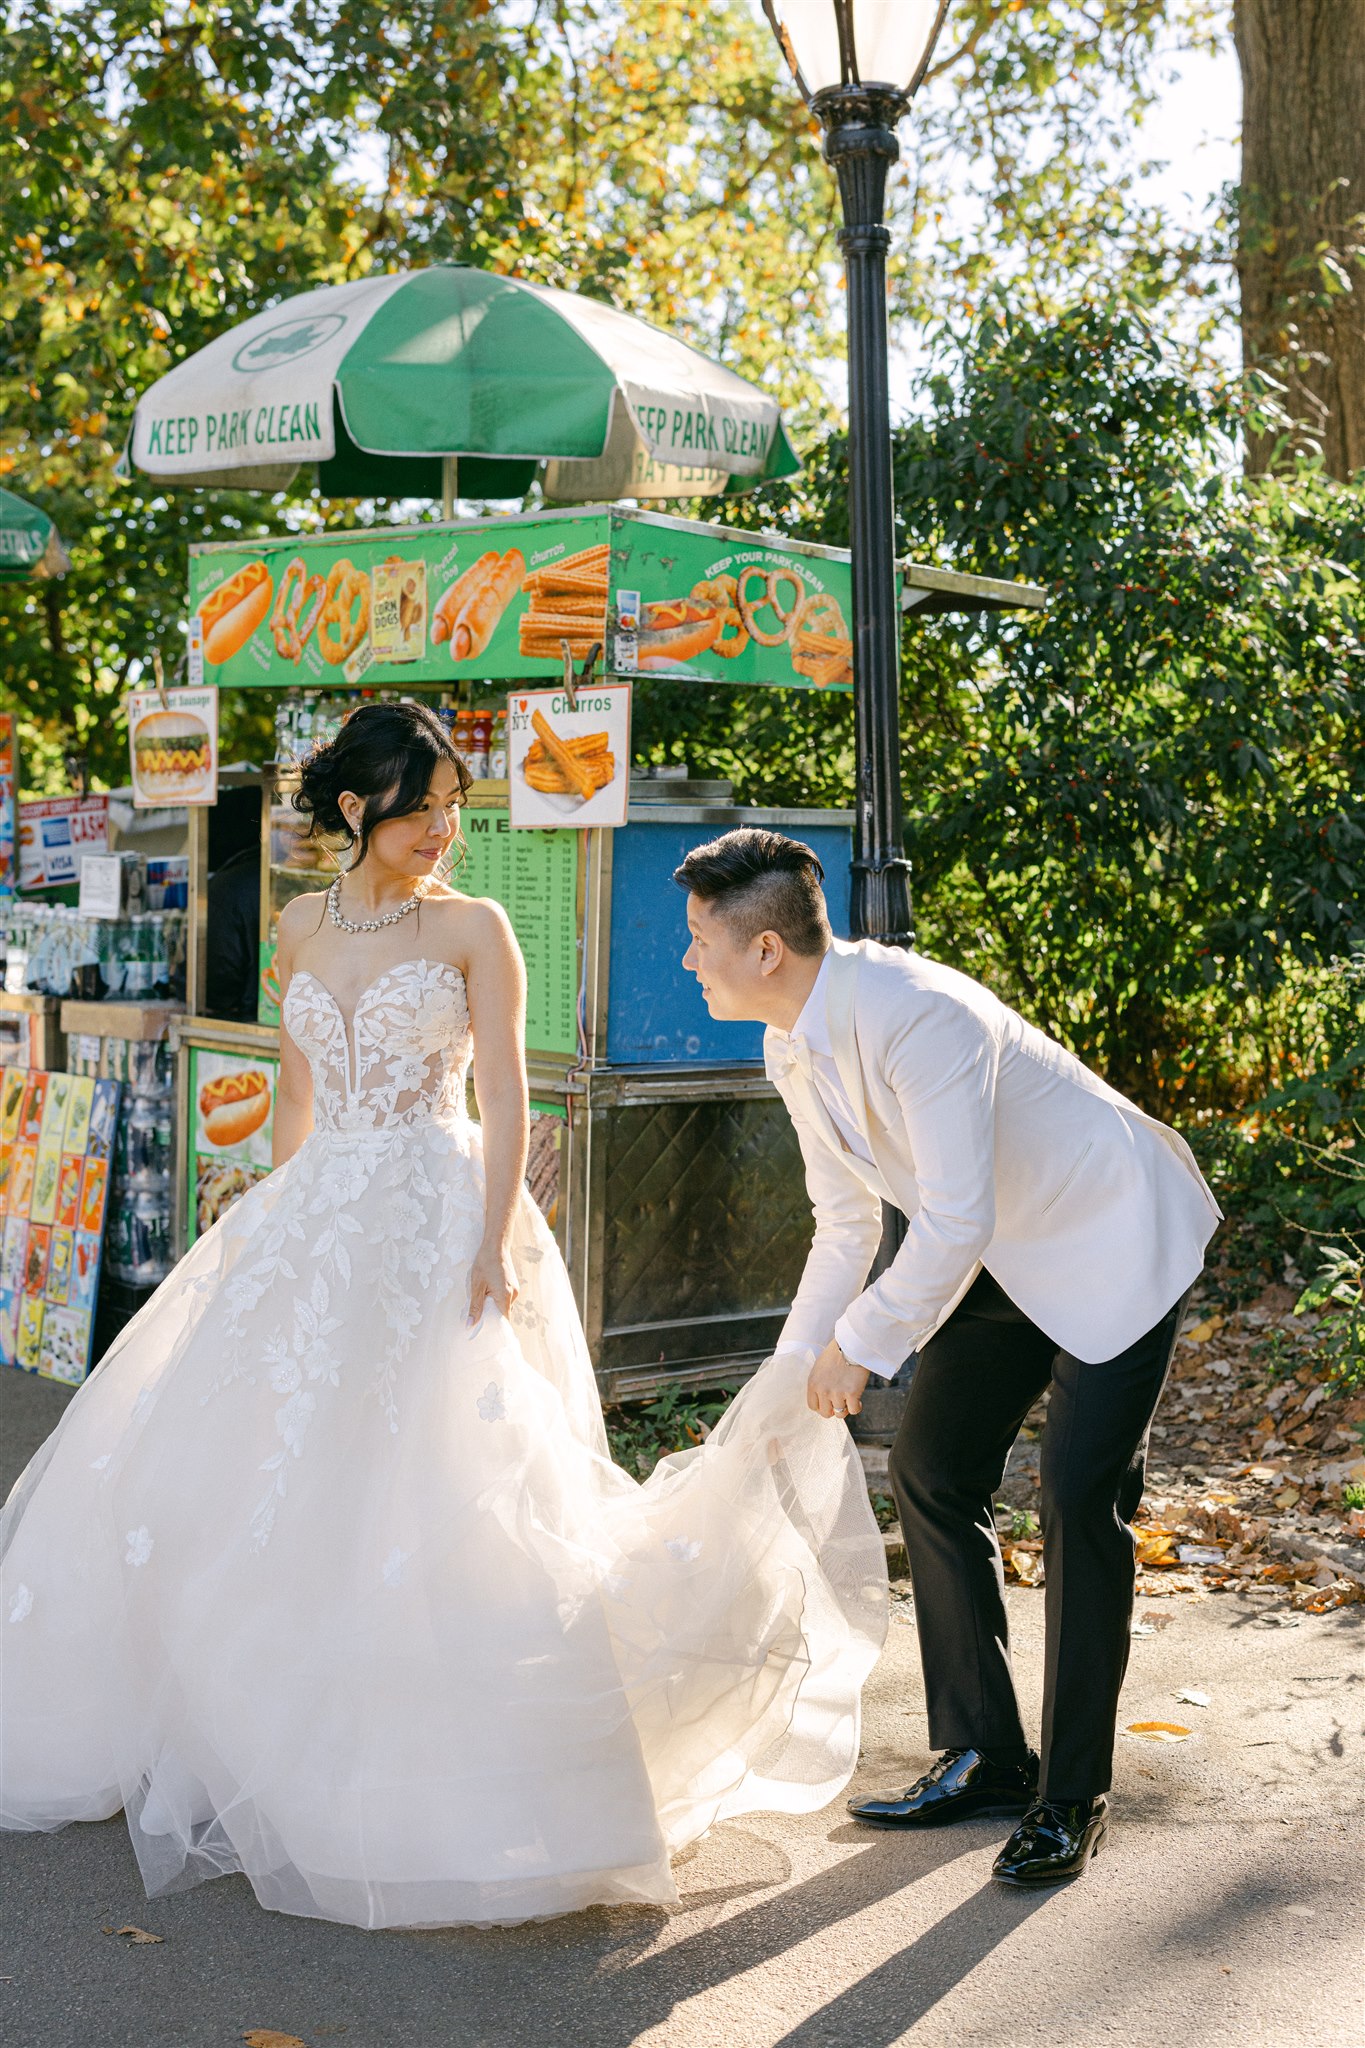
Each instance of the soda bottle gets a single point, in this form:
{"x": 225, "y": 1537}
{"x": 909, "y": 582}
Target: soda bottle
{"x": 482, "y": 730}
{"x": 497, "y": 748}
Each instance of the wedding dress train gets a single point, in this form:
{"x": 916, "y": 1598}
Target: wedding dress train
{"x": 319, "y": 1584}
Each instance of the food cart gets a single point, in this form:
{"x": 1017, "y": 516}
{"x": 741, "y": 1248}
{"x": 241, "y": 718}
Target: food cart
{"x": 661, "y": 1154}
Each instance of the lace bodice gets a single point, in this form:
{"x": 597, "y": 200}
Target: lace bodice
{"x": 405, "y": 1056}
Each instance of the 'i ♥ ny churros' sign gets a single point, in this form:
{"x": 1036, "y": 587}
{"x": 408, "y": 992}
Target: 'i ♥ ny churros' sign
{"x": 569, "y": 763}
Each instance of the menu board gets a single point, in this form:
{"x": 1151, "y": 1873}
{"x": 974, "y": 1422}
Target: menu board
{"x": 534, "y": 876}
{"x": 231, "y": 1123}
{"x": 56, "y": 1136}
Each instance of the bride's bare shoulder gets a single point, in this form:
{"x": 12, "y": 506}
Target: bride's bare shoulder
{"x": 302, "y": 915}
{"x": 469, "y": 925}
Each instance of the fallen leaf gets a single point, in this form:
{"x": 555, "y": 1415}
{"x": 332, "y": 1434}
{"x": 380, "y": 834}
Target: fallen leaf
{"x": 1287, "y": 1497}
{"x": 267, "y": 2037}
{"x": 1302, "y": 1912}
{"x": 1188, "y": 1697}
{"x": 1200, "y": 1553}
{"x": 1159, "y": 1731}
{"x": 1156, "y": 1547}
{"x": 138, "y": 1936}
{"x": 1156, "y": 1619}
{"x": 1201, "y": 1332}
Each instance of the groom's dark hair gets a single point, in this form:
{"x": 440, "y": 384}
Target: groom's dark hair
{"x": 761, "y": 882}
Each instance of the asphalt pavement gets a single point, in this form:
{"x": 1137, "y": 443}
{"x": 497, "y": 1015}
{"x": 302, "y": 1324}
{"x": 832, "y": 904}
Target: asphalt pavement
{"x": 1223, "y": 1911}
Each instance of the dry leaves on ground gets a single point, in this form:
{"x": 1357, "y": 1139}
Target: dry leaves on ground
{"x": 1250, "y": 1460}
{"x": 266, "y": 2037}
{"x": 138, "y": 1937}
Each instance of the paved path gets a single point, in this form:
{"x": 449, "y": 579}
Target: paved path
{"x": 1225, "y": 1910}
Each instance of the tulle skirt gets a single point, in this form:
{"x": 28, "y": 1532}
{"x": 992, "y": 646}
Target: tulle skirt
{"x": 318, "y": 1584}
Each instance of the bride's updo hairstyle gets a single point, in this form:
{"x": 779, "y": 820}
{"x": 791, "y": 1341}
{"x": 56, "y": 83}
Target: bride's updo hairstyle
{"x": 386, "y": 754}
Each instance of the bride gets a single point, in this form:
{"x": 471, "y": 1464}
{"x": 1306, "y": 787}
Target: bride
{"x": 326, "y": 1575}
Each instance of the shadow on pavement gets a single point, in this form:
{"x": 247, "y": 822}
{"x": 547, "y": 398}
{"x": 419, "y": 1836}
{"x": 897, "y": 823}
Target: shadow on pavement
{"x": 883, "y": 2006}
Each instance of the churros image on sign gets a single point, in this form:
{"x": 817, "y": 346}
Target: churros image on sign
{"x": 590, "y": 750}
{"x": 566, "y": 601}
{"x": 558, "y": 766}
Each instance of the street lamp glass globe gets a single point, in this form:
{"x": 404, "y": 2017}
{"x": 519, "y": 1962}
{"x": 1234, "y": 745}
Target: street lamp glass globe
{"x": 886, "y": 42}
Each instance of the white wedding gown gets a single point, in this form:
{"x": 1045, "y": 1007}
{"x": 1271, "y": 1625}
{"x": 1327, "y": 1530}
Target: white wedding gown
{"x": 318, "y": 1584}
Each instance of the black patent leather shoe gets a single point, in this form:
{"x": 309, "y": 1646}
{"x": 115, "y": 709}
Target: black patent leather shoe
{"x": 959, "y": 1785}
{"x": 1053, "y": 1842}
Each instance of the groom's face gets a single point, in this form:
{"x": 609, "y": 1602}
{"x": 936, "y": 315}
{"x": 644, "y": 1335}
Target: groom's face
{"x": 732, "y": 974}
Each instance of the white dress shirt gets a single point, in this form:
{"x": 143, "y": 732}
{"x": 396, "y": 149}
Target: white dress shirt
{"x": 812, "y": 1048}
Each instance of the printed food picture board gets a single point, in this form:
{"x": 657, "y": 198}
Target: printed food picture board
{"x": 497, "y": 599}
{"x": 231, "y": 1121}
{"x": 56, "y": 1137}
{"x": 9, "y": 805}
{"x": 173, "y": 747}
{"x": 569, "y": 763}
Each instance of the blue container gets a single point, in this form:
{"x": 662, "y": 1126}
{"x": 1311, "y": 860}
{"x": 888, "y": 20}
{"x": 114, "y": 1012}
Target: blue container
{"x": 656, "y": 1015}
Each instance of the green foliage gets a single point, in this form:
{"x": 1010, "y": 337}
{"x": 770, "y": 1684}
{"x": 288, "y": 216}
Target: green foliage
{"x": 674, "y": 1421}
{"x": 164, "y": 176}
{"x": 1028, "y": 156}
{"x": 1141, "y": 813}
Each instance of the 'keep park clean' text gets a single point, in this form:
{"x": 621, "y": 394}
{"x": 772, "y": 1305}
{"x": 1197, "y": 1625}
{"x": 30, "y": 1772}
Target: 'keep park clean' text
{"x": 275, "y": 425}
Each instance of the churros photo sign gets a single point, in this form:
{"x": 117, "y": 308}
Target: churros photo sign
{"x": 569, "y": 764}
{"x": 501, "y": 599}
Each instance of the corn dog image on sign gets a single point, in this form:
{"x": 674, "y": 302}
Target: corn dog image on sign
{"x": 569, "y": 764}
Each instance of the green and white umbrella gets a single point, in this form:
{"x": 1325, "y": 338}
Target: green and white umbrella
{"x": 30, "y": 545}
{"x": 388, "y": 384}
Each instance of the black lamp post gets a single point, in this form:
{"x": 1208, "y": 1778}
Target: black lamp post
{"x": 858, "y": 64}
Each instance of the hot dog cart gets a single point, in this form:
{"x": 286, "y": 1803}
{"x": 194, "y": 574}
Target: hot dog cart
{"x": 660, "y": 1153}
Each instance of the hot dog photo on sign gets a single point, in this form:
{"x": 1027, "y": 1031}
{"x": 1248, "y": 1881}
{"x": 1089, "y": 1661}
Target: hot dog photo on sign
{"x": 569, "y": 763}
{"x": 233, "y": 1099}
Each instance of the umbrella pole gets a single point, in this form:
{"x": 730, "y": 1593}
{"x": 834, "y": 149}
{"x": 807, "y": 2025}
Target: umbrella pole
{"x": 450, "y": 484}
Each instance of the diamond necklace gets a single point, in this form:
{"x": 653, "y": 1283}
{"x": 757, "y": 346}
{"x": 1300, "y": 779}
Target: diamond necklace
{"x": 369, "y": 924}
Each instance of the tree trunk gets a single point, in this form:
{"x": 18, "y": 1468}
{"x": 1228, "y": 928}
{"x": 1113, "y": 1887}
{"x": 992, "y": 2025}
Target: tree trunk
{"x": 1302, "y": 218}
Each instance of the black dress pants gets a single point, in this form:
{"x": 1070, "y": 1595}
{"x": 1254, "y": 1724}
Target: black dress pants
{"x": 973, "y": 1384}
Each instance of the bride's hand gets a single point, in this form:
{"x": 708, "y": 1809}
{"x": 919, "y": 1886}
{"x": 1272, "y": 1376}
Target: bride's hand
{"x": 492, "y": 1277}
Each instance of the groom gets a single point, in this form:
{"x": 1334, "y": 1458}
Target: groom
{"x": 1053, "y": 1233}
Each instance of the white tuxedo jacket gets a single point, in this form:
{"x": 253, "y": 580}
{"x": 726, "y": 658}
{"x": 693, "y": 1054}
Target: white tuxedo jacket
{"x": 1001, "y": 1150}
